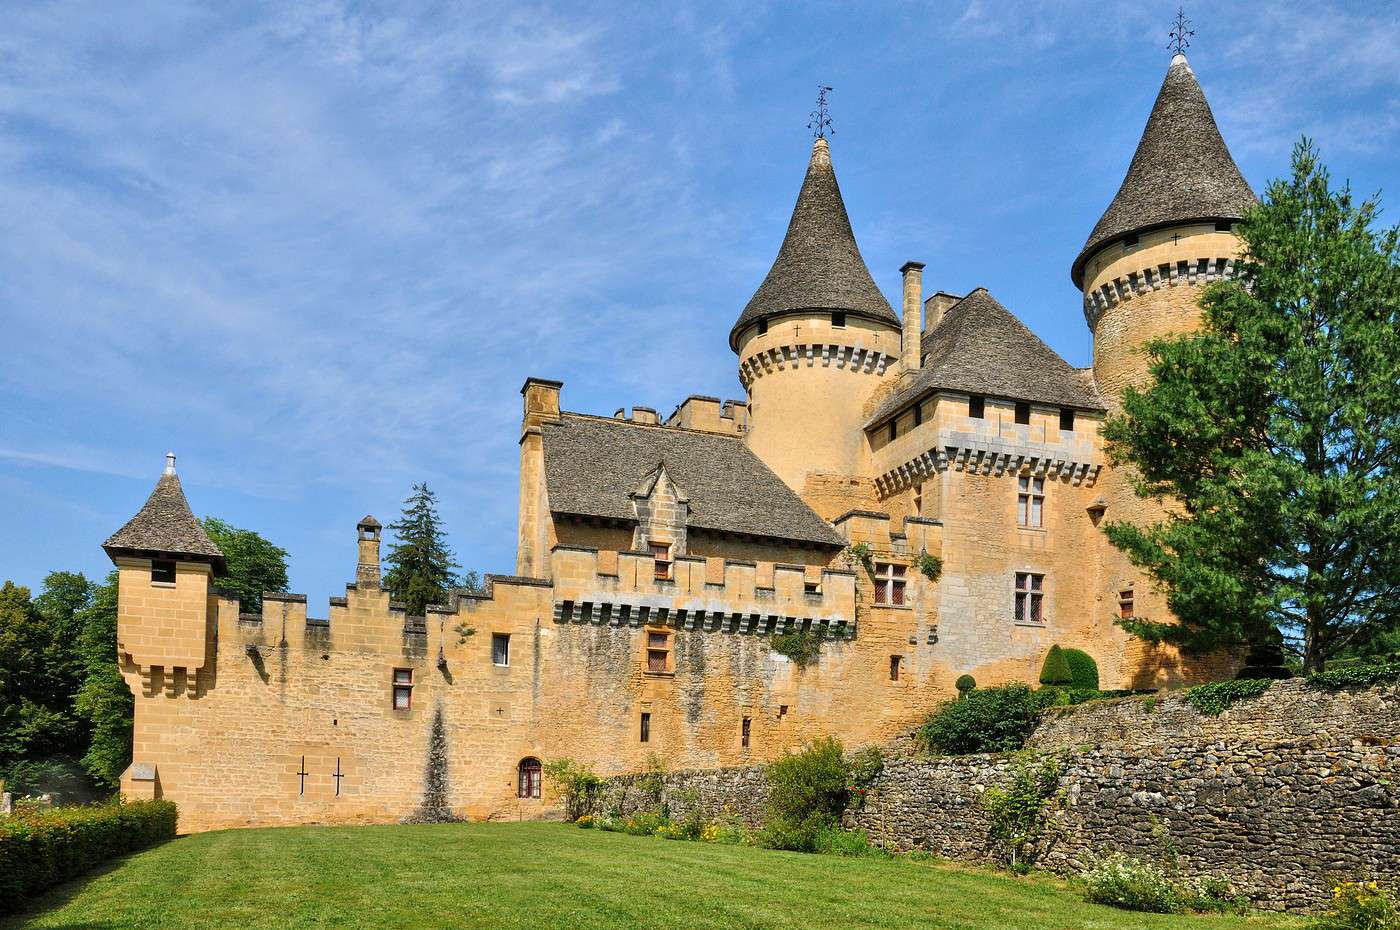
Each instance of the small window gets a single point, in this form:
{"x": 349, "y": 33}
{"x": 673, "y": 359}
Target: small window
{"x": 919, "y": 499}
{"x": 1223, "y": 226}
{"x": 1030, "y": 592}
{"x": 838, "y": 319}
{"x": 762, "y": 327}
{"x": 1023, "y": 412}
{"x": 1066, "y": 420}
{"x": 1030, "y": 501}
{"x": 894, "y": 430}
{"x": 500, "y": 648}
{"x": 889, "y": 584}
{"x": 661, "y": 552}
{"x": 1129, "y": 241}
{"x": 658, "y": 652}
{"x": 645, "y": 733}
{"x": 918, "y": 414}
{"x": 162, "y": 572}
{"x": 895, "y": 662}
{"x": 745, "y": 729}
{"x": 403, "y": 688}
{"x": 1125, "y": 604}
{"x": 529, "y": 782}
{"x": 976, "y": 407}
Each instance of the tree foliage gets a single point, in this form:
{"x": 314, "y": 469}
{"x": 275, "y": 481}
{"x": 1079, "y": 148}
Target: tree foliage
{"x": 421, "y": 567}
{"x": 1273, "y": 430}
{"x": 254, "y": 564}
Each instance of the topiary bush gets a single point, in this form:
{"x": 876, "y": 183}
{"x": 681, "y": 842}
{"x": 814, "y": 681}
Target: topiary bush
{"x": 964, "y": 684}
{"x": 985, "y": 720}
{"x": 1083, "y": 670}
{"x": 1055, "y": 670}
{"x": 42, "y": 849}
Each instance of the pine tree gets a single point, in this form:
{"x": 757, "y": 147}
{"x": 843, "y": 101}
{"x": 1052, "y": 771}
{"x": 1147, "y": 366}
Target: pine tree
{"x": 421, "y": 568}
{"x": 1274, "y": 430}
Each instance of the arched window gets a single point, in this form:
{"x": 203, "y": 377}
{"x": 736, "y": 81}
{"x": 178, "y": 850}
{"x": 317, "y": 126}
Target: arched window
{"x": 529, "y": 784}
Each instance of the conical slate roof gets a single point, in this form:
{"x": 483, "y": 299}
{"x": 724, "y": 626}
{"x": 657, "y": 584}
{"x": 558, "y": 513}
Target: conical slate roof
{"x": 165, "y": 526}
{"x": 980, "y": 347}
{"x": 1181, "y": 172}
{"x": 819, "y": 265}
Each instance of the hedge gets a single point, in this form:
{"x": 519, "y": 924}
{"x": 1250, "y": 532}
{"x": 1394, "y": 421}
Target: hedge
{"x": 41, "y": 849}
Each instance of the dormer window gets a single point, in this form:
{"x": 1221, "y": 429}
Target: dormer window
{"x": 162, "y": 572}
{"x": 838, "y": 319}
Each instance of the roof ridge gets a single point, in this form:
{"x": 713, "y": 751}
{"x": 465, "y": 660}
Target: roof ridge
{"x": 629, "y": 422}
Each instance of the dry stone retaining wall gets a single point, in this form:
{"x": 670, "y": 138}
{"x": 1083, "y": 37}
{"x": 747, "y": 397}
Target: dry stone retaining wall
{"x": 1283, "y": 794}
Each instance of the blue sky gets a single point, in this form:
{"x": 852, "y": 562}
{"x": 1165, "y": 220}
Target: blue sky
{"x": 316, "y": 248}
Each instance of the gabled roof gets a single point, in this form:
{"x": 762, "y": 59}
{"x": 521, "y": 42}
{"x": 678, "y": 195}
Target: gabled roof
{"x": 593, "y": 466}
{"x": 1181, "y": 172}
{"x": 164, "y": 526}
{"x": 980, "y": 347}
{"x": 819, "y": 265}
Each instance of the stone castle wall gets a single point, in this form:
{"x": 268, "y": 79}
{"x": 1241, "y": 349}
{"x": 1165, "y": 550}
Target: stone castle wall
{"x": 1284, "y": 794}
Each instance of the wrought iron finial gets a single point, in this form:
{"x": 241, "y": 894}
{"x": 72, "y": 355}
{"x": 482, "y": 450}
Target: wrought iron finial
{"x": 1180, "y": 35}
{"x": 820, "y": 123}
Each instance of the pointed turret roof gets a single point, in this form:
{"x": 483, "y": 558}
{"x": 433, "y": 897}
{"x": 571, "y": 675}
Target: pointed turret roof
{"x": 165, "y": 526}
{"x": 1181, "y": 172}
{"x": 980, "y": 347}
{"x": 819, "y": 265}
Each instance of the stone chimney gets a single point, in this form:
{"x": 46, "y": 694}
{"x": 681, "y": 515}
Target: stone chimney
{"x": 913, "y": 313}
{"x": 936, "y": 306}
{"x": 367, "y": 570}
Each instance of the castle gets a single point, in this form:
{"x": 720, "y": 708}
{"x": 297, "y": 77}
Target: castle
{"x": 659, "y": 563}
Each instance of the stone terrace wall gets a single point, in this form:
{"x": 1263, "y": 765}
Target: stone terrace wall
{"x": 1282, "y": 794}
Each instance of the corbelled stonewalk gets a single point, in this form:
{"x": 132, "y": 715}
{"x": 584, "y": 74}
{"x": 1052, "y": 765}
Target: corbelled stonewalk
{"x": 900, "y": 499}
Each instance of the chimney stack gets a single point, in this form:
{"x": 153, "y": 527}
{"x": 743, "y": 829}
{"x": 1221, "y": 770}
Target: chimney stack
{"x": 936, "y": 306}
{"x": 367, "y": 570}
{"x": 913, "y": 313}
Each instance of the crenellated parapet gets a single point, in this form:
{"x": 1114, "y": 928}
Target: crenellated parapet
{"x": 1184, "y": 272}
{"x": 633, "y": 595}
{"x": 855, "y": 359}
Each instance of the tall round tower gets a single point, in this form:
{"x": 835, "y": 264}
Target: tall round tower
{"x": 815, "y": 341}
{"x": 1167, "y": 233}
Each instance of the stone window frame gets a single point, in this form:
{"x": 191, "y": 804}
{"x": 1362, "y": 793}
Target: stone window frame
{"x": 1126, "y": 604}
{"x": 977, "y": 407}
{"x": 163, "y": 573}
{"x": 1067, "y": 419}
{"x": 838, "y": 319}
{"x": 500, "y": 638}
{"x": 529, "y": 777}
{"x": 896, "y": 667}
{"x": 1021, "y": 412}
{"x": 746, "y": 733}
{"x": 661, "y": 555}
{"x": 894, "y": 577}
{"x": 401, "y": 683}
{"x": 657, "y": 652}
{"x": 1030, "y": 501}
{"x": 1028, "y": 604}
{"x": 644, "y": 727}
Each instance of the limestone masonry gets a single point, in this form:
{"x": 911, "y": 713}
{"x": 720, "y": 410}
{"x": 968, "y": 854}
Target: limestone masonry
{"x": 657, "y": 561}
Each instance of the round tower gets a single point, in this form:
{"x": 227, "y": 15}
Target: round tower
{"x": 815, "y": 341}
{"x": 1167, "y": 233}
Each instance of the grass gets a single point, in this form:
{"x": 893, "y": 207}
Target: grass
{"x": 540, "y": 875}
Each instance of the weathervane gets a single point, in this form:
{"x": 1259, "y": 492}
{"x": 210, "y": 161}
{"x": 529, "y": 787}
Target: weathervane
{"x": 1180, "y": 36}
{"x": 820, "y": 123}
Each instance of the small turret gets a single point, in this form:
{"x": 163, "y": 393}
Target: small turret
{"x": 367, "y": 567}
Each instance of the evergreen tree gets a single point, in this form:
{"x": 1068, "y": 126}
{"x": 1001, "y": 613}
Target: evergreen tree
{"x": 254, "y": 564}
{"x": 421, "y": 568}
{"x": 1274, "y": 430}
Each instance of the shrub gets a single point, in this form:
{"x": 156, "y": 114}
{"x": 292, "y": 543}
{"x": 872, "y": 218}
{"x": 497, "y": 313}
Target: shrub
{"x": 1083, "y": 670}
{"x": 577, "y": 783}
{"x": 1356, "y": 676}
{"x": 799, "y": 646}
{"x": 644, "y": 823}
{"x": 930, "y": 566}
{"x": 807, "y": 791}
{"x": 1360, "y": 906}
{"x": 1020, "y": 812}
{"x": 985, "y": 720}
{"x": 41, "y": 849}
{"x": 1120, "y": 881}
{"x": 1214, "y": 698}
{"x": 834, "y": 841}
{"x": 964, "y": 684}
{"x": 1055, "y": 670}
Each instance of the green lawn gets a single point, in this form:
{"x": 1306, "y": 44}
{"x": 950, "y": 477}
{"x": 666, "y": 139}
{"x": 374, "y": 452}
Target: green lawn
{"x": 538, "y": 876}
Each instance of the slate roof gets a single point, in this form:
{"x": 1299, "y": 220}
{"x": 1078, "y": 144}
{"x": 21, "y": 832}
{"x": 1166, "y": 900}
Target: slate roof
{"x": 819, "y": 265}
{"x": 165, "y": 526}
{"x": 979, "y": 347}
{"x": 1181, "y": 171}
{"x": 592, "y": 465}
